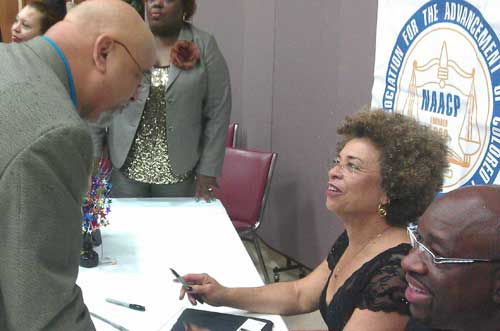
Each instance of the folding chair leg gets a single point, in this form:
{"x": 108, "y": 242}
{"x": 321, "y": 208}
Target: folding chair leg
{"x": 261, "y": 259}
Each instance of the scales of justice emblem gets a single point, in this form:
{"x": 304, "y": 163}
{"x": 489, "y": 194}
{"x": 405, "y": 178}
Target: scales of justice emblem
{"x": 441, "y": 91}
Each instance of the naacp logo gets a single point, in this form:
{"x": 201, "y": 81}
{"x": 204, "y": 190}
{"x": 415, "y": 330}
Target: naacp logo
{"x": 445, "y": 71}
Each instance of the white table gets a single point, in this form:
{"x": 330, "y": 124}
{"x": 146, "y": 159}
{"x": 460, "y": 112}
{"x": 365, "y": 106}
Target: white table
{"x": 148, "y": 236}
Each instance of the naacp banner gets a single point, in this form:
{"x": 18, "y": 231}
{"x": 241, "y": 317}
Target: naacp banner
{"x": 439, "y": 62}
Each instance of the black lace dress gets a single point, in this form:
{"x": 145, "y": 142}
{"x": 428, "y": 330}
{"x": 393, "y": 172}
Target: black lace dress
{"x": 378, "y": 285}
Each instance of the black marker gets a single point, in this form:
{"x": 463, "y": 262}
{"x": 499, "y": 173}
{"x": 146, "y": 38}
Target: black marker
{"x": 125, "y": 304}
{"x": 186, "y": 286}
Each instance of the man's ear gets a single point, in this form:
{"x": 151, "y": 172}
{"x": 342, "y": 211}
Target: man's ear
{"x": 103, "y": 45}
{"x": 496, "y": 287}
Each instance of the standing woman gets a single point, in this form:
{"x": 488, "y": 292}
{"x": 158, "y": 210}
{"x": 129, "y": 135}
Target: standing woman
{"x": 170, "y": 141}
{"x": 388, "y": 169}
{"x": 36, "y": 18}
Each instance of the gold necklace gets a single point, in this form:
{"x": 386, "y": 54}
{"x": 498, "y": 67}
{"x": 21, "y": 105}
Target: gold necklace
{"x": 373, "y": 240}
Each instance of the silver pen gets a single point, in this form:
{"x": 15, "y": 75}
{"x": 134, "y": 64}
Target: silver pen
{"x": 105, "y": 320}
{"x": 126, "y": 304}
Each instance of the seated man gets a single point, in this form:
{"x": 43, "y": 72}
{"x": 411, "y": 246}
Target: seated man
{"x": 454, "y": 271}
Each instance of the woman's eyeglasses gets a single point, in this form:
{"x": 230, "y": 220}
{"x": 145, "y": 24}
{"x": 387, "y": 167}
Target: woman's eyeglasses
{"x": 349, "y": 166}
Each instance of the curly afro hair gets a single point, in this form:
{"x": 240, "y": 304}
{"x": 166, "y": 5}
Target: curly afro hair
{"x": 413, "y": 159}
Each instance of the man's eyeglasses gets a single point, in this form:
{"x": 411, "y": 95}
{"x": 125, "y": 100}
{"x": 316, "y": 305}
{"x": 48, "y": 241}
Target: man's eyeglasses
{"x": 415, "y": 243}
{"x": 144, "y": 72}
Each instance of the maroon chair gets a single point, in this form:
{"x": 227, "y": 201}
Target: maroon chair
{"x": 232, "y": 135}
{"x": 243, "y": 190}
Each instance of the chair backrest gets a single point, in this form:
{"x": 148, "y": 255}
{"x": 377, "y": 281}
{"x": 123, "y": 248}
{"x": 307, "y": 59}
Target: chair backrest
{"x": 244, "y": 184}
{"x": 232, "y": 135}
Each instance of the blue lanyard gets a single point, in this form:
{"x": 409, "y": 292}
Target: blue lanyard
{"x": 71, "y": 84}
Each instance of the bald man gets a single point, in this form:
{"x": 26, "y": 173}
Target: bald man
{"x": 92, "y": 60}
{"x": 453, "y": 271}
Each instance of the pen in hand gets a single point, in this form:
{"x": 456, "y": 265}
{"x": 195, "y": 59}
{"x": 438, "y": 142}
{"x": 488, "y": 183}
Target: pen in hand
{"x": 127, "y": 305}
{"x": 186, "y": 286}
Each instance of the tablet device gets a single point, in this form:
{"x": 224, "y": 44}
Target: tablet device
{"x": 202, "y": 320}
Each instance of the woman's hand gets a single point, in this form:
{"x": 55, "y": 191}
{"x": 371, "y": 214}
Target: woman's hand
{"x": 205, "y": 188}
{"x": 205, "y": 286}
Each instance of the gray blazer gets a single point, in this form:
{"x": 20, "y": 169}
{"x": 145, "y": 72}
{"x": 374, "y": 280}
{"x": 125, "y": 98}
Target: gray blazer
{"x": 198, "y": 111}
{"x": 45, "y": 161}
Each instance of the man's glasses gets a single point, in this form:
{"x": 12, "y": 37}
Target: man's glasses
{"x": 144, "y": 72}
{"x": 415, "y": 243}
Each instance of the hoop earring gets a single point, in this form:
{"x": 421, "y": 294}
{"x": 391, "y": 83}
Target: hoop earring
{"x": 381, "y": 210}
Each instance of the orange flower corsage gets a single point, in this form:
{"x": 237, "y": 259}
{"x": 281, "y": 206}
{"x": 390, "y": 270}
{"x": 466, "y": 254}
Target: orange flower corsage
{"x": 185, "y": 54}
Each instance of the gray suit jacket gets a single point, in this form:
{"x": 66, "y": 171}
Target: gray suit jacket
{"x": 198, "y": 111}
{"x": 45, "y": 161}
